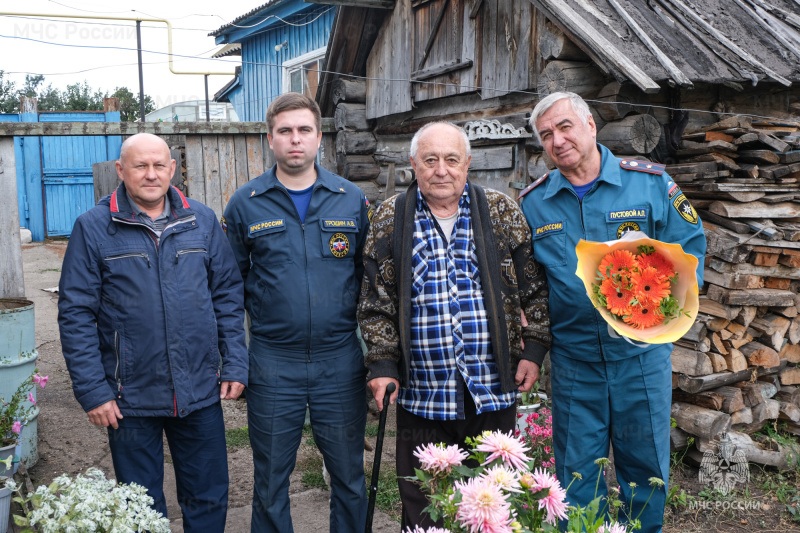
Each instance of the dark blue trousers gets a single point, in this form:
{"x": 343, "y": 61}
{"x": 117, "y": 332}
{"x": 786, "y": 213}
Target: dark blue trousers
{"x": 197, "y": 446}
{"x": 277, "y": 393}
{"x": 623, "y": 402}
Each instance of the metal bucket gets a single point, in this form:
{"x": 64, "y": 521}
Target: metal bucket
{"x": 18, "y": 356}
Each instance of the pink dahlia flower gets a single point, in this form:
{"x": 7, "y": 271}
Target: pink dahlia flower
{"x": 438, "y": 458}
{"x": 611, "y": 528}
{"x": 554, "y": 503}
{"x": 483, "y": 506}
{"x": 504, "y": 446}
{"x": 507, "y": 479}
{"x": 418, "y": 529}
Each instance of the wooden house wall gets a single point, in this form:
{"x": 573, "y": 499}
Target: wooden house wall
{"x": 262, "y": 70}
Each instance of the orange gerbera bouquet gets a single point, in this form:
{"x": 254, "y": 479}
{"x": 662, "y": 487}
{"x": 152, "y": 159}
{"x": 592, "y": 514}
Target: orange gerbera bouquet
{"x": 645, "y": 289}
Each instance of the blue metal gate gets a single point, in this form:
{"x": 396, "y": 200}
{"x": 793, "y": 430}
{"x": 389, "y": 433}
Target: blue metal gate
{"x": 54, "y": 173}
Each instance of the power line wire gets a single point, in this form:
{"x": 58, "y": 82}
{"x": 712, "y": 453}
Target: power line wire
{"x": 131, "y": 25}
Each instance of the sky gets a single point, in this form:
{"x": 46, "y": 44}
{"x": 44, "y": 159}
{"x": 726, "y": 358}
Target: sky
{"x": 103, "y": 52}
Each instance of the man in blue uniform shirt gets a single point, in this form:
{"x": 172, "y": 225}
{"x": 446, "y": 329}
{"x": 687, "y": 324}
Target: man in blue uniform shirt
{"x": 605, "y": 388}
{"x": 297, "y": 232}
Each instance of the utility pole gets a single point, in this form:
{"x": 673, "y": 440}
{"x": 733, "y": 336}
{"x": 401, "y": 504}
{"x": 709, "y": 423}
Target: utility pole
{"x": 141, "y": 75}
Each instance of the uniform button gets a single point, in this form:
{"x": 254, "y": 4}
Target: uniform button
{"x": 183, "y": 411}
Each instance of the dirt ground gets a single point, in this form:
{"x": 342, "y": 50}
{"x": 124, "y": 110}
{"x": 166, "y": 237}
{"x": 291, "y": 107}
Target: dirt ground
{"x": 68, "y": 443}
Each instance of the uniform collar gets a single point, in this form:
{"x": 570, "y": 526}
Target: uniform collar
{"x": 269, "y": 180}
{"x": 609, "y": 173}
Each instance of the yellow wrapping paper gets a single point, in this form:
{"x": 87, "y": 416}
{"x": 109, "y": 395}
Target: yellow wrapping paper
{"x": 590, "y": 254}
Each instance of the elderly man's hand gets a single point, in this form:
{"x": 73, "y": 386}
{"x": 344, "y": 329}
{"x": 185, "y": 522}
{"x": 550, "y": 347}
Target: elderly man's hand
{"x": 527, "y": 374}
{"x": 230, "y": 390}
{"x": 378, "y": 388}
{"x": 105, "y": 415}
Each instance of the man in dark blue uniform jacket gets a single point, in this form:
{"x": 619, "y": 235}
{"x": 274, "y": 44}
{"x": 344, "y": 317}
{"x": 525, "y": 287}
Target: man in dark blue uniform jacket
{"x": 297, "y": 232}
{"x": 605, "y": 388}
{"x": 150, "y": 312}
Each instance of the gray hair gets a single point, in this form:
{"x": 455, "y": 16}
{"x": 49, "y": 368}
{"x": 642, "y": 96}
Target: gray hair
{"x": 415, "y": 139}
{"x": 578, "y": 105}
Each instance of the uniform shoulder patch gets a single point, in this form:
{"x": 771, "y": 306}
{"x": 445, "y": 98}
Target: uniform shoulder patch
{"x": 532, "y": 186}
{"x": 642, "y": 166}
{"x": 370, "y": 209}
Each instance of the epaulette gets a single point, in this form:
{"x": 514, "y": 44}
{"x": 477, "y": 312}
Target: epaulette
{"x": 642, "y": 166}
{"x": 532, "y": 186}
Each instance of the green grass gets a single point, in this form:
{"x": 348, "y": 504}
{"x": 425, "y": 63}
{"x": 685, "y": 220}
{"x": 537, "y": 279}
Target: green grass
{"x": 312, "y": 473}
{"x": 50, "y": 270}
{"x": 372, "y": 431}
{"x": 237, "y": 438}
{"x": 388, "y": 497}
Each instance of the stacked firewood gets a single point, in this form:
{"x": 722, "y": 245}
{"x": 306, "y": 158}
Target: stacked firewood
{"x": 737, "y": 369}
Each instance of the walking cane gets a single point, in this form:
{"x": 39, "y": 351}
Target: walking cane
{"x": 376, "y": 465}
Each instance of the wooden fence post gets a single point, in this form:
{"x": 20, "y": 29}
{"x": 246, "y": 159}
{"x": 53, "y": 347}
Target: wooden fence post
{"x": 11, "y": 280}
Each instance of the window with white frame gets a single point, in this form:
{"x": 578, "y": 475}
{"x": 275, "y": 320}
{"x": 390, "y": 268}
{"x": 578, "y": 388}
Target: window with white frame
{"x": 301, "y": 74}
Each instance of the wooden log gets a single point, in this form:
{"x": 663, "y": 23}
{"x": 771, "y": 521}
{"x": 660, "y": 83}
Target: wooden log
{"x": 735, "y": 360}
{"x": 678, "y": 439}
{"x": 753, "y": 209}
{"x": 751, "y": 297}
{"x": 710, "y": 307}
{"x": 789, "y": 411}
{"x": 738, "y": 343}
{"x": 700, "y": 421}
{"x": 790, "y": 375}
{"x": 737, "y": 330}
{"x": 716, "y": 344}
{"x": 790, "y": 352}
{"x": 355, "y": 142}
{"x": 732, "y": 399}
{"x": 746, "y": 316}
{"x": 794, "y": 331}
{"x": 742, "y": 416}
{"x": 713, "y": 381}
{"x": 755, "y": 452}
{"x": 690, "y": 362}
{"x": 574, "y": 76}
{"x": 759, "y": 355}
{"x": 357, "y": 167}
{"x": 760, "y": 156}
{"x": 617, "y": 100}
{"x": 351, "y": 117}
{"x": 718, "y": 362}
{"x": 733, "y": 280}
{"x": 718, "y": 324}
{"x": 707, "y": 399}
{"x": 756, "y": 392}
{"x": 349, "y": 90}
{"x": 790, "y": 394}
{"x": 402, "y": 176}
{"x": 635, "y": 134}
{"x": 553, "y": 44}
{"x": 697, "y": 332}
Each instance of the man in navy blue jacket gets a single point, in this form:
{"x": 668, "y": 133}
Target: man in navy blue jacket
{"x": 297, "y": 232}
{"x": 150, "y": 312}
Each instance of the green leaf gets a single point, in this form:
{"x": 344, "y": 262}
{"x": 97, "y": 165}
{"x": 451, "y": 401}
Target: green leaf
{"x": 20, "y": 520}
{"x": 465, "y": 471}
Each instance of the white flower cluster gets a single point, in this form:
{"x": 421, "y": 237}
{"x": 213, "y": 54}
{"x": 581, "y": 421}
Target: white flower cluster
{"x": 92, "y": 503}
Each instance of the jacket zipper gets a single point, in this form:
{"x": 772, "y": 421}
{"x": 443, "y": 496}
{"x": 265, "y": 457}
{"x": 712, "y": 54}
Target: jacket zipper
{"x": 124, "y": 256}
{"x": 117, "y": 375}
{"x": 189, "y": 251}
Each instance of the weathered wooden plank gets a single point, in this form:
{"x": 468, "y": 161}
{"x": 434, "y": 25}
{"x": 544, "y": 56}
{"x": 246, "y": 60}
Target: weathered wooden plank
{"x": 11, "y": 275}
{"x": 756, "y": 210}
{"x": 690, "y": 362}
{"x": 227, "y": 170}
{"x": 104, "y": 175}
{"x": 128, "y": 128}
{"x": 491, "y": 158}
{"x": 699, "y": 421}
{"x": 195, "y": 180}
{"x": 610, "y": 55}
{"x": 211, "y": 173}
{"x": 240, "y": 160}
{"x": 752, "y": 297}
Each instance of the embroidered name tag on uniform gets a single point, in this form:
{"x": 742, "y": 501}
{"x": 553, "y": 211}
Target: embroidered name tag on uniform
{"x": 273, "y": 224}
{"x": 627, "y": 214}
{"x": 548, "y": 228}
{"x": 339, "y": 223}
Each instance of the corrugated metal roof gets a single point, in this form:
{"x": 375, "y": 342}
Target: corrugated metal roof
{"x": 244, "y": 17}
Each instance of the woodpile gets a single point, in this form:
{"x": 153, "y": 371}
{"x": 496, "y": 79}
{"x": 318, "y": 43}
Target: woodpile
{"x": 737, "y": 369}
